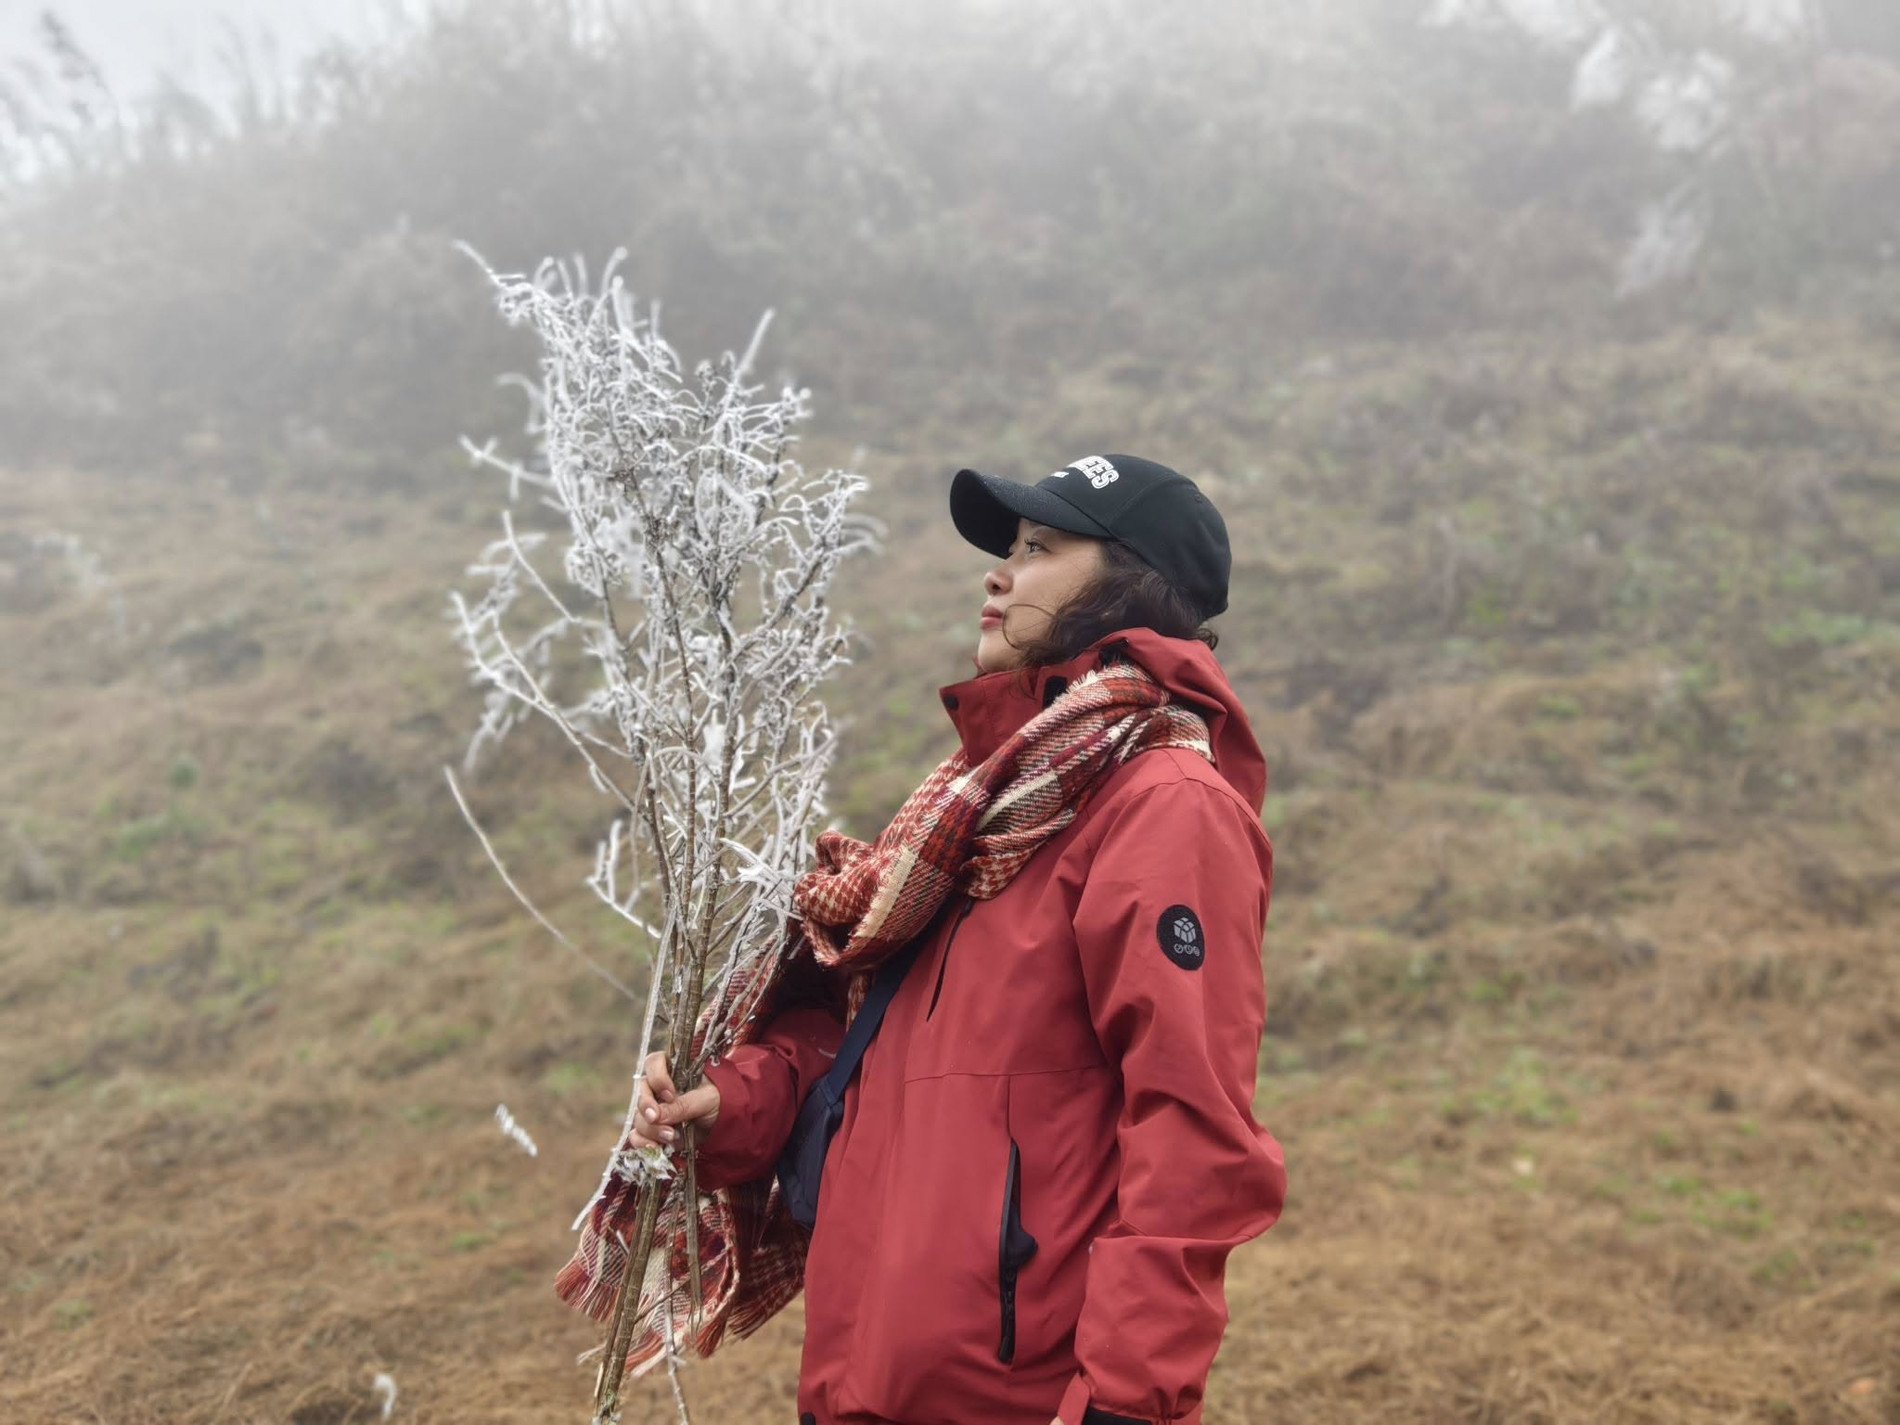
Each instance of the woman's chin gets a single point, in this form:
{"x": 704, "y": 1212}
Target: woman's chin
{"x": 994, "y": 654}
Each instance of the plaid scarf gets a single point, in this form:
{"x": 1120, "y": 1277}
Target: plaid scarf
{"x": 966, "y": 828}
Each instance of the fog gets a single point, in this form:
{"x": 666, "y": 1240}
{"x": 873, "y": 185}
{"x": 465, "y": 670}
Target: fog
{"x": 137, "y": 41}
{"x": 1265, "y": 176}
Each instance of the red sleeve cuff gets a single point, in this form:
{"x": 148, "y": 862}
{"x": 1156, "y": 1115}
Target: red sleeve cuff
{"x": 728, "y": 1152}
{"x": 1076, "y": 1409}
{"x": 1079, "y": 1408}
{"x": 761, "y": 1085}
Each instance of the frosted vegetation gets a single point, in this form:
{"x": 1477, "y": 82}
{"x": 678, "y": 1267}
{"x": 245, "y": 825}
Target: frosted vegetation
{"x": 673, "y": 620}
{"x": 678, "y": 636}
{"x": 1688, "y": 73}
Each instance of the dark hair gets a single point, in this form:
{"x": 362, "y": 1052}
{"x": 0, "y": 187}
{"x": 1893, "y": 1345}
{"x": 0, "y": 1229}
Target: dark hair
{"x": 1128, "y": 593}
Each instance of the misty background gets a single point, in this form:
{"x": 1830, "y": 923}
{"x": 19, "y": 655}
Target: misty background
{"x": 1541, "y": 355}
{"x": 947, "y": 205}
{"x": 137, "y": 44}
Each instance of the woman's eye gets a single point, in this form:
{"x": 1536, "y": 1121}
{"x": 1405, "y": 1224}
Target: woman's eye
{"x": 1029, "y": 544}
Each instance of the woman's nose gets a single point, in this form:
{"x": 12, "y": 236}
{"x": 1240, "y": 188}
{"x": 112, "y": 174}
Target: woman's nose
{"x": 994, "y": 582}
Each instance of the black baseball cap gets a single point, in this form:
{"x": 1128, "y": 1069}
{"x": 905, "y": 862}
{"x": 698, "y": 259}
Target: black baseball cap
{"x": 1159, "y": 513}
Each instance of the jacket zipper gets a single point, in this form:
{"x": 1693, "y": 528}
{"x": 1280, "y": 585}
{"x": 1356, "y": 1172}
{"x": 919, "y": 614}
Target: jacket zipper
{"x": 969, "y": 904}
{"x": 1014, "y": 1248}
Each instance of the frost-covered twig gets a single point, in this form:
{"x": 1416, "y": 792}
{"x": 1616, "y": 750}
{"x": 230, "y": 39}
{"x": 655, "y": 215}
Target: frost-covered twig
{"x": 662, "y": 596}
{"x": 501, "y": 870}
{"x": 515, "y": 1131}
{"x": 673, "y": 1374}
{"x": 385, "y": 1387}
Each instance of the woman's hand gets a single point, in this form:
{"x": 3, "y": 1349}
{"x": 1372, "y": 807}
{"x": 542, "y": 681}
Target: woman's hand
{"x": 661, "y": 1108}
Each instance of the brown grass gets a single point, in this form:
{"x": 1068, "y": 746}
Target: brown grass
{"x": 1591, "y": 1097}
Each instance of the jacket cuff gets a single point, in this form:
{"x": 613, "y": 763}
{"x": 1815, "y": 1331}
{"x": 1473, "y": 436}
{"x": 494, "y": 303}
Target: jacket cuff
{"x": 728, "y": 1150}
{"x": 1076, "y": 1409}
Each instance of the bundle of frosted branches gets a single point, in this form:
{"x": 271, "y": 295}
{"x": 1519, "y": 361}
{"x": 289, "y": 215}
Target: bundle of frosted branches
{"x": 683, "y": 631}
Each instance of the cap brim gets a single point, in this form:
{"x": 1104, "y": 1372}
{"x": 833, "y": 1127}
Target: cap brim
{"x": 985, "y": 509}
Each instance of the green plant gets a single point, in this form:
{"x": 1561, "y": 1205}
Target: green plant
{"x": 72, "y": 1313}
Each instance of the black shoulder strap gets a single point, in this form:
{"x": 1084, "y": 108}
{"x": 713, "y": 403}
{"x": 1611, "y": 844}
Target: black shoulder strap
{"x": 870, "y": 1015}
{"x": 801, "y": 1165}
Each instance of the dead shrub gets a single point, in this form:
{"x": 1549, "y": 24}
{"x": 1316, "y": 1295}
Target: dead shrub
{"x": 346, "y": 779}
{"x": 1597, "y": 951}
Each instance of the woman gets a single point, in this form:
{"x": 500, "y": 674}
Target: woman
{"x": 1048, "y": 1150}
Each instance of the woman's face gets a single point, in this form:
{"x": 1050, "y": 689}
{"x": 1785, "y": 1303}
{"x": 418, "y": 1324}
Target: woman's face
{"x": 1044, "y": 570}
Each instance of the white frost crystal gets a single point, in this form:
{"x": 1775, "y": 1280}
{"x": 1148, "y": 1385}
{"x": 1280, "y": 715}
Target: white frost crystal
{"x": 1686, "y": 106}
{"x": 514, "y": 1131}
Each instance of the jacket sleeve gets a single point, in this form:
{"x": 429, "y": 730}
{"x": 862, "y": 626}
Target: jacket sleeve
{"x": 1169, "y": 926}
{"x": 762, "y": 1084}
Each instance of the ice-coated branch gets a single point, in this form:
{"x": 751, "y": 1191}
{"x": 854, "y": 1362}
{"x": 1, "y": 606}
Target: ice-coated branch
{"x": 660, "y": 591}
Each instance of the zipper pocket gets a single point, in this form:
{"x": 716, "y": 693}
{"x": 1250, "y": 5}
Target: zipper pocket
{"x": 1014, "y": 1248}
{"x": 969, "y": 904}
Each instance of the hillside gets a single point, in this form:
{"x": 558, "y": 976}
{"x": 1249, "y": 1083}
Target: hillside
{"x": 1576, "y": 664}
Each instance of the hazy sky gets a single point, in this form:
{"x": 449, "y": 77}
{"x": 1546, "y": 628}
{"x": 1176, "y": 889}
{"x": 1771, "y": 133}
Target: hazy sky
{"x": 134, "y": 39}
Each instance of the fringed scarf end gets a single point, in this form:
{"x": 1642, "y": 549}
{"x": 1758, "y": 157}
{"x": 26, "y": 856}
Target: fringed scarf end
{"x": 579, "y": 1287}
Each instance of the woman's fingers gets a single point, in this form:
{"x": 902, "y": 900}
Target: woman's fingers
{"x": 659, "y": 1122}
{"x": 661, "y": 1107}
{"x": 658, "y": 1080}
{"x": 654, "y": 1082}
{"x": 698, "y": 1105}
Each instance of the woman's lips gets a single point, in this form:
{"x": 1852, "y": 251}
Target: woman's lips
{"x": 989, "y": 618}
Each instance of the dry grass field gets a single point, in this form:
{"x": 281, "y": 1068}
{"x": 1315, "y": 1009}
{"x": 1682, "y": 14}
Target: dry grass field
{"x": 1585, "y": 1037}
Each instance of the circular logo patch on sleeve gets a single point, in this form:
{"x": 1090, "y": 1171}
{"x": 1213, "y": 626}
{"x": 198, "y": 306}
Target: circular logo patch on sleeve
{"x": 1182, "y": 940}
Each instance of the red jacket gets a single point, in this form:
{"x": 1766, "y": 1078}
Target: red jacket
{"x": 1049, "y": 1150}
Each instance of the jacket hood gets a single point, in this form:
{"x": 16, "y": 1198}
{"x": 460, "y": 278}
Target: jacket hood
{"x": 986, "y": 709}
